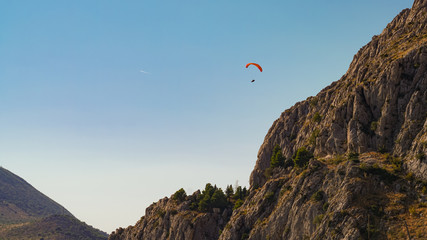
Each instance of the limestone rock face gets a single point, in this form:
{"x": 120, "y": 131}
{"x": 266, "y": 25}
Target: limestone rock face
{"x": 379, "y": 104}
{"x": 345, "y": 200}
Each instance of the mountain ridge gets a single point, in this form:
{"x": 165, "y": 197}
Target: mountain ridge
{"x": 348, "y": 163}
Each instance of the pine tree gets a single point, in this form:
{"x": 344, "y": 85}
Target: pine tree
{"x": 277, "y": 159}
{"x": 229, "y": 191}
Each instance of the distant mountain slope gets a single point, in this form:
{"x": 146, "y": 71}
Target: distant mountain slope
{"x": 349, "y": 163}
{"x": 19, "y": 201}
{"x": 26, "y": 213}
{"x": 55, "y": 227}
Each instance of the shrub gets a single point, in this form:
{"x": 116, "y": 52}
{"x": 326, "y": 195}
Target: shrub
{"x": 238, "y": 204}
{"x": 395, "y": 162}
{"x": 302, "y": 157}
{"x": 269, "y": 196}
{"x": 268, "y": 172}
{"x": 353, "y": 156}
{"x": 277, "y": 159}
{"x": 179, "y": 195}
{"x": 374, "y": 126}
{"x": 313, "y": 102}
{"x": 317, "y": 196}
{"x": 337, "y": 159}
{"x": 325, "y": 206}
{"x": 382, "y": 149}
{"x": 413, "y": 211}
{"x": 161, "y": 213}
{"x": 317, "y": 117}
{"x": 313, "y": 136}
{"x": 318, "y": 219}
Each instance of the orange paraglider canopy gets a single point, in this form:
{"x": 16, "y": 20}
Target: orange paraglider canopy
{"x": 256, "y": 65}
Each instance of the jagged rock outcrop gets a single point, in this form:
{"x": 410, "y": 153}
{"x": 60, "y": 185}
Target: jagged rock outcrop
{"x": 171, "y": 219}
{"x": 366, "y": 177}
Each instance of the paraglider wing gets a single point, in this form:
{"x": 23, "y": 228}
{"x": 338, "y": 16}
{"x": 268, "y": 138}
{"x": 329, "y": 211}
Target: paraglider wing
{"x": 255, "y": 64}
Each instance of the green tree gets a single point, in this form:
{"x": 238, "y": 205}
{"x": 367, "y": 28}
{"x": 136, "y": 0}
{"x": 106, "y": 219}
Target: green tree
{"x": 302, "y": 157}
{"x": 238, "y": 193}
{"x": 229, "y": 191}
{"x": 179, "y": 195}
{"x": 218, "y": 199}
{"x": 204, "y": 204}
{"x": 209, "y": 190}
{"x": 205, "y": 198}
{"x": 277, "y": 159}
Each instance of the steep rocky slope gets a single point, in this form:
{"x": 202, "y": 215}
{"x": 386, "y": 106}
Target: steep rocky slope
{"x": 26, "y": 213}
{"x": 168, "y": 219}
{"x": 349, "y": 163}
{"x": 379, "y": 104}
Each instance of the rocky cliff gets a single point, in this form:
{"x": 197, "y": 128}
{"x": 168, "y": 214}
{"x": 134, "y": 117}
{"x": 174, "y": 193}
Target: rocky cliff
{"x": 169, "y": 219}
{"x": 379, "y": 104}
{"x": 349, "y": 163}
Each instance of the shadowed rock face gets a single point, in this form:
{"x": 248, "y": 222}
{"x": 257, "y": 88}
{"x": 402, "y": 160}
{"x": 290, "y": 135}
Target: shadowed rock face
{"x": 379, "y": 104}
{"x": 368, "y": 134}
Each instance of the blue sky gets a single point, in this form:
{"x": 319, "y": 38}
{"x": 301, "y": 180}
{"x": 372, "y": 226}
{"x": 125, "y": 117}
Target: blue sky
{"x": 108, "y": 106}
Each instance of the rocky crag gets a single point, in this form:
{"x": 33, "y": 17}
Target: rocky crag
{"x": 349, "y": 163}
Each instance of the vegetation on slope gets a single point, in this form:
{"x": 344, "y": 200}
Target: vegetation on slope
{"x": 55, "y": 227}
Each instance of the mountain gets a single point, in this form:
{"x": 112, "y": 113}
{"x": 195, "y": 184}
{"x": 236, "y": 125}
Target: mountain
{"x": 26, "y": 213}
{"x": 19, "y": 201}
{"x": 348, "y": 163}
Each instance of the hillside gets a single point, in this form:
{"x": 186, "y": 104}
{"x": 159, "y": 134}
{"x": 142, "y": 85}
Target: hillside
{"x": 19, "y": 201}
{"x": 26, "y": 213}
{"x": 348, "y": 163}
{"x": 55, "y": 227}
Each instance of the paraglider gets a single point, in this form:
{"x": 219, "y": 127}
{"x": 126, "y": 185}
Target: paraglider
{"x": 256, "y": 65}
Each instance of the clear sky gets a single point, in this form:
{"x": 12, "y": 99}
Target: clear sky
{"x": 107, "y": 106}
